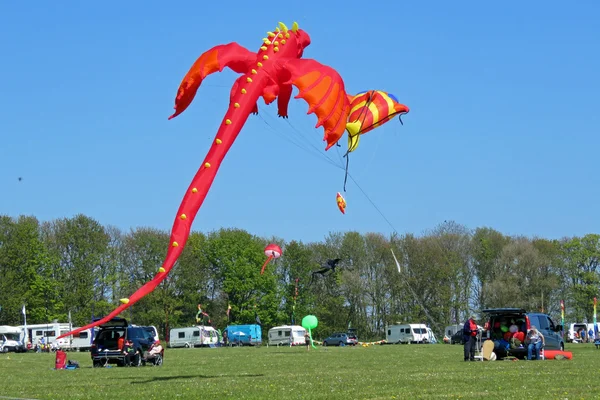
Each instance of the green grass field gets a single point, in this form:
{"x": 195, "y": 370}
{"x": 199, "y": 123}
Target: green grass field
{"x": 375, "y": 372}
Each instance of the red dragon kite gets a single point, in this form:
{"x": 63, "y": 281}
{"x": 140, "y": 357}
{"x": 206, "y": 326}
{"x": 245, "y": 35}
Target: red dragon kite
{"x": 269, "y": 73}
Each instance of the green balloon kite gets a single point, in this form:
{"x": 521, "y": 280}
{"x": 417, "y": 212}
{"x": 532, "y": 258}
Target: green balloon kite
{"x": 310, "y": 322}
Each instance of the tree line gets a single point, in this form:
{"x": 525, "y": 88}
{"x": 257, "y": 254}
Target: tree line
{"x": 78, "y": 266}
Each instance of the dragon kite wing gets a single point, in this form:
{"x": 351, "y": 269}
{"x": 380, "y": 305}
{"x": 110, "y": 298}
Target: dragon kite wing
{"x": 323, "y": 89}
{"x": 230, "y": 55}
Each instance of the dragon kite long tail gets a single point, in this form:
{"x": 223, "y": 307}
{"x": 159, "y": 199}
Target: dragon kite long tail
{"x": 269, "y": 73}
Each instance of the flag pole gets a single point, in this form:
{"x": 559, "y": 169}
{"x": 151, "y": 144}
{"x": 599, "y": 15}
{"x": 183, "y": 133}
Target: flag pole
{"x": 25, "y": 332}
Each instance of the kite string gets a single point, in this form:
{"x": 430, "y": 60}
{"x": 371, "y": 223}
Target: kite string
{"x": 327, "y": 159}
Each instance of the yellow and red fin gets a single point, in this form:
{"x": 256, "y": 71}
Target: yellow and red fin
{"x": 230, "y": 55}
{"x": 353, "y": 129}
{"x": 323, "y": 89}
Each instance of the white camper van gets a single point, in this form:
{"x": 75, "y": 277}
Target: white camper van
{"x": 11, "y": 339}
{"x": 287, "y": 335}
{"x": 193, "y": 336}
{"x": 407, "y": 333}
{"x": 573, "y": 329}
{"x": 44, "y": 333}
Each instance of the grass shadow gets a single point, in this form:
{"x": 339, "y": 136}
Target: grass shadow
{"x": 168, "y": 378}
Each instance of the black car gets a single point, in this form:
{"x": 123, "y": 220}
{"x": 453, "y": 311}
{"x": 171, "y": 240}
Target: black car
{"x": 458, "y": 338}
{"x": 108, "y": 344}
{"x": 502, "y": 320}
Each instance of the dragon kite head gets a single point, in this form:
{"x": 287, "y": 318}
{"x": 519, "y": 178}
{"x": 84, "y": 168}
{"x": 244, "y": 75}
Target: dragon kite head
{"x": 295, "y": 40}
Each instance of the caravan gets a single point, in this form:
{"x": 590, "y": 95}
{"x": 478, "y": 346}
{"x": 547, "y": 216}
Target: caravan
{"x": 81, "y": 341}
{"x": 193, "y": 336}
{"x": 288, "y": 335}
{"x": 407, "y": 333}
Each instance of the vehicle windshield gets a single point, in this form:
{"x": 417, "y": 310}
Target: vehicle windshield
{"x": 133, "y": 333}
{"x": 12, "y": 336}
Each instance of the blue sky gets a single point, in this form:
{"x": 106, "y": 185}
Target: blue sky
{"x": 502, "y": 132}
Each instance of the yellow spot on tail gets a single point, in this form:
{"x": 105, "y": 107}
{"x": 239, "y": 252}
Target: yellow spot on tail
{"x": 276, "y": 43}
{"x": 249, "y": 80}
{"x": 124, "y": 301}
{"x": 244, "y": 90}
{"x": 263, "y": 48}
{"x": 287, "y": 35}
{"x": 275, "y": 49}
{"x": 175, "y": 244}
{"x": 236, "y": 105}
{"x": 253, "y": 71}
{"x": 161, "y": 269}
{"x": 267, "y": 42}
{"x": 227, "y": 122}
{"x": 265, "y": 57}
{"x": 283, "y": 40}
{"x": 218, "y": 141}
{"x": 183, "y": 216}
{"x": 207, "y": 165}
{"x": 194, "y": 190}
{"x": 259, "y": 64}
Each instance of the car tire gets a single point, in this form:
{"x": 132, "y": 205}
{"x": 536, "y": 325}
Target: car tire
{"x": 187, "y": 346}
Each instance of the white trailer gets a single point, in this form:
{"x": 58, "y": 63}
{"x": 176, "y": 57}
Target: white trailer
{"x": 288, "y": 335}
{"x": 81, "y": 341}
{"x": 407, "y": 333}
{"x": 193, "y": 336}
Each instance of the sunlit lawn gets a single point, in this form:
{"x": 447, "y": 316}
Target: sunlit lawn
{"x": 375, "y": 372}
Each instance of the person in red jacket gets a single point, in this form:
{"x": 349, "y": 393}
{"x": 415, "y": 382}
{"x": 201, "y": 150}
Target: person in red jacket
{"x": 470, "y": 337}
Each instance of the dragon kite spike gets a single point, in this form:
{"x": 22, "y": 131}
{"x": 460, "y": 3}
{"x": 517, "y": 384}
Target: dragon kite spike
{"x": 295, "y": 27}
{"x": 283, "y": 27}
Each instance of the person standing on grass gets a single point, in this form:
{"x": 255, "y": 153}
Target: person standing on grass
{"x": 307, "y": 340}
{"x": 469, "y": 337}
